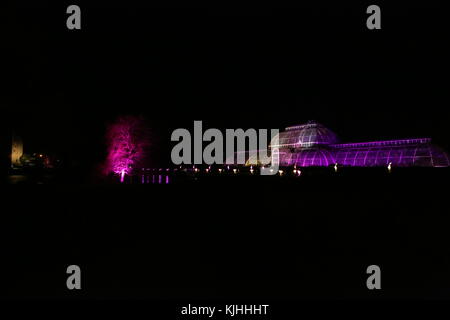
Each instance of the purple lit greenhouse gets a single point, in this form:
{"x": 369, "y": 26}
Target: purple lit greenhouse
{"x": 312, "y": 144}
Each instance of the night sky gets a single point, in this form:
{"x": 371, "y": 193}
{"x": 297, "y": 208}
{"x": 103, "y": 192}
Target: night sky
{"x": 309, "y": 234}
{"x": 250, "y": 67}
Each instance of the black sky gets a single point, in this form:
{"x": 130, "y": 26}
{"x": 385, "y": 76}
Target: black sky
{"x": 261, "y": 67}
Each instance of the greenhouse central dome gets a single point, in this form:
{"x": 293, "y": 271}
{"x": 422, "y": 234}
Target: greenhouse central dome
{"x": 305, "y": 136}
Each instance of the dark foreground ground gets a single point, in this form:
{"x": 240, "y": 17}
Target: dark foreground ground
{"x": 233, "y": 238}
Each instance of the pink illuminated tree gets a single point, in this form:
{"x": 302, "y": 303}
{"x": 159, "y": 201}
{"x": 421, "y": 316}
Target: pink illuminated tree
{"x": 128, "y": 140}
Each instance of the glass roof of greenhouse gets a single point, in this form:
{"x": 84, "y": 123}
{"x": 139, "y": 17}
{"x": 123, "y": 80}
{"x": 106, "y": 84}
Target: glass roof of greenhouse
{"x": 305, "y": 136}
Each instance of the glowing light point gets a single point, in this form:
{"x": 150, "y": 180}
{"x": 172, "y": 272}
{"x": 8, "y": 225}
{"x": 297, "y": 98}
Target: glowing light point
{"x": 389, "y": 167}
{"x": 280, "y": 172}
{"x": 122, "y": 176}
{"x": 235, "y": 170}
{"x": 336, "y": 167}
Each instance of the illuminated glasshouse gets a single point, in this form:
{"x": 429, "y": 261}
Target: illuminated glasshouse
{"x": 312, "y": 144}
